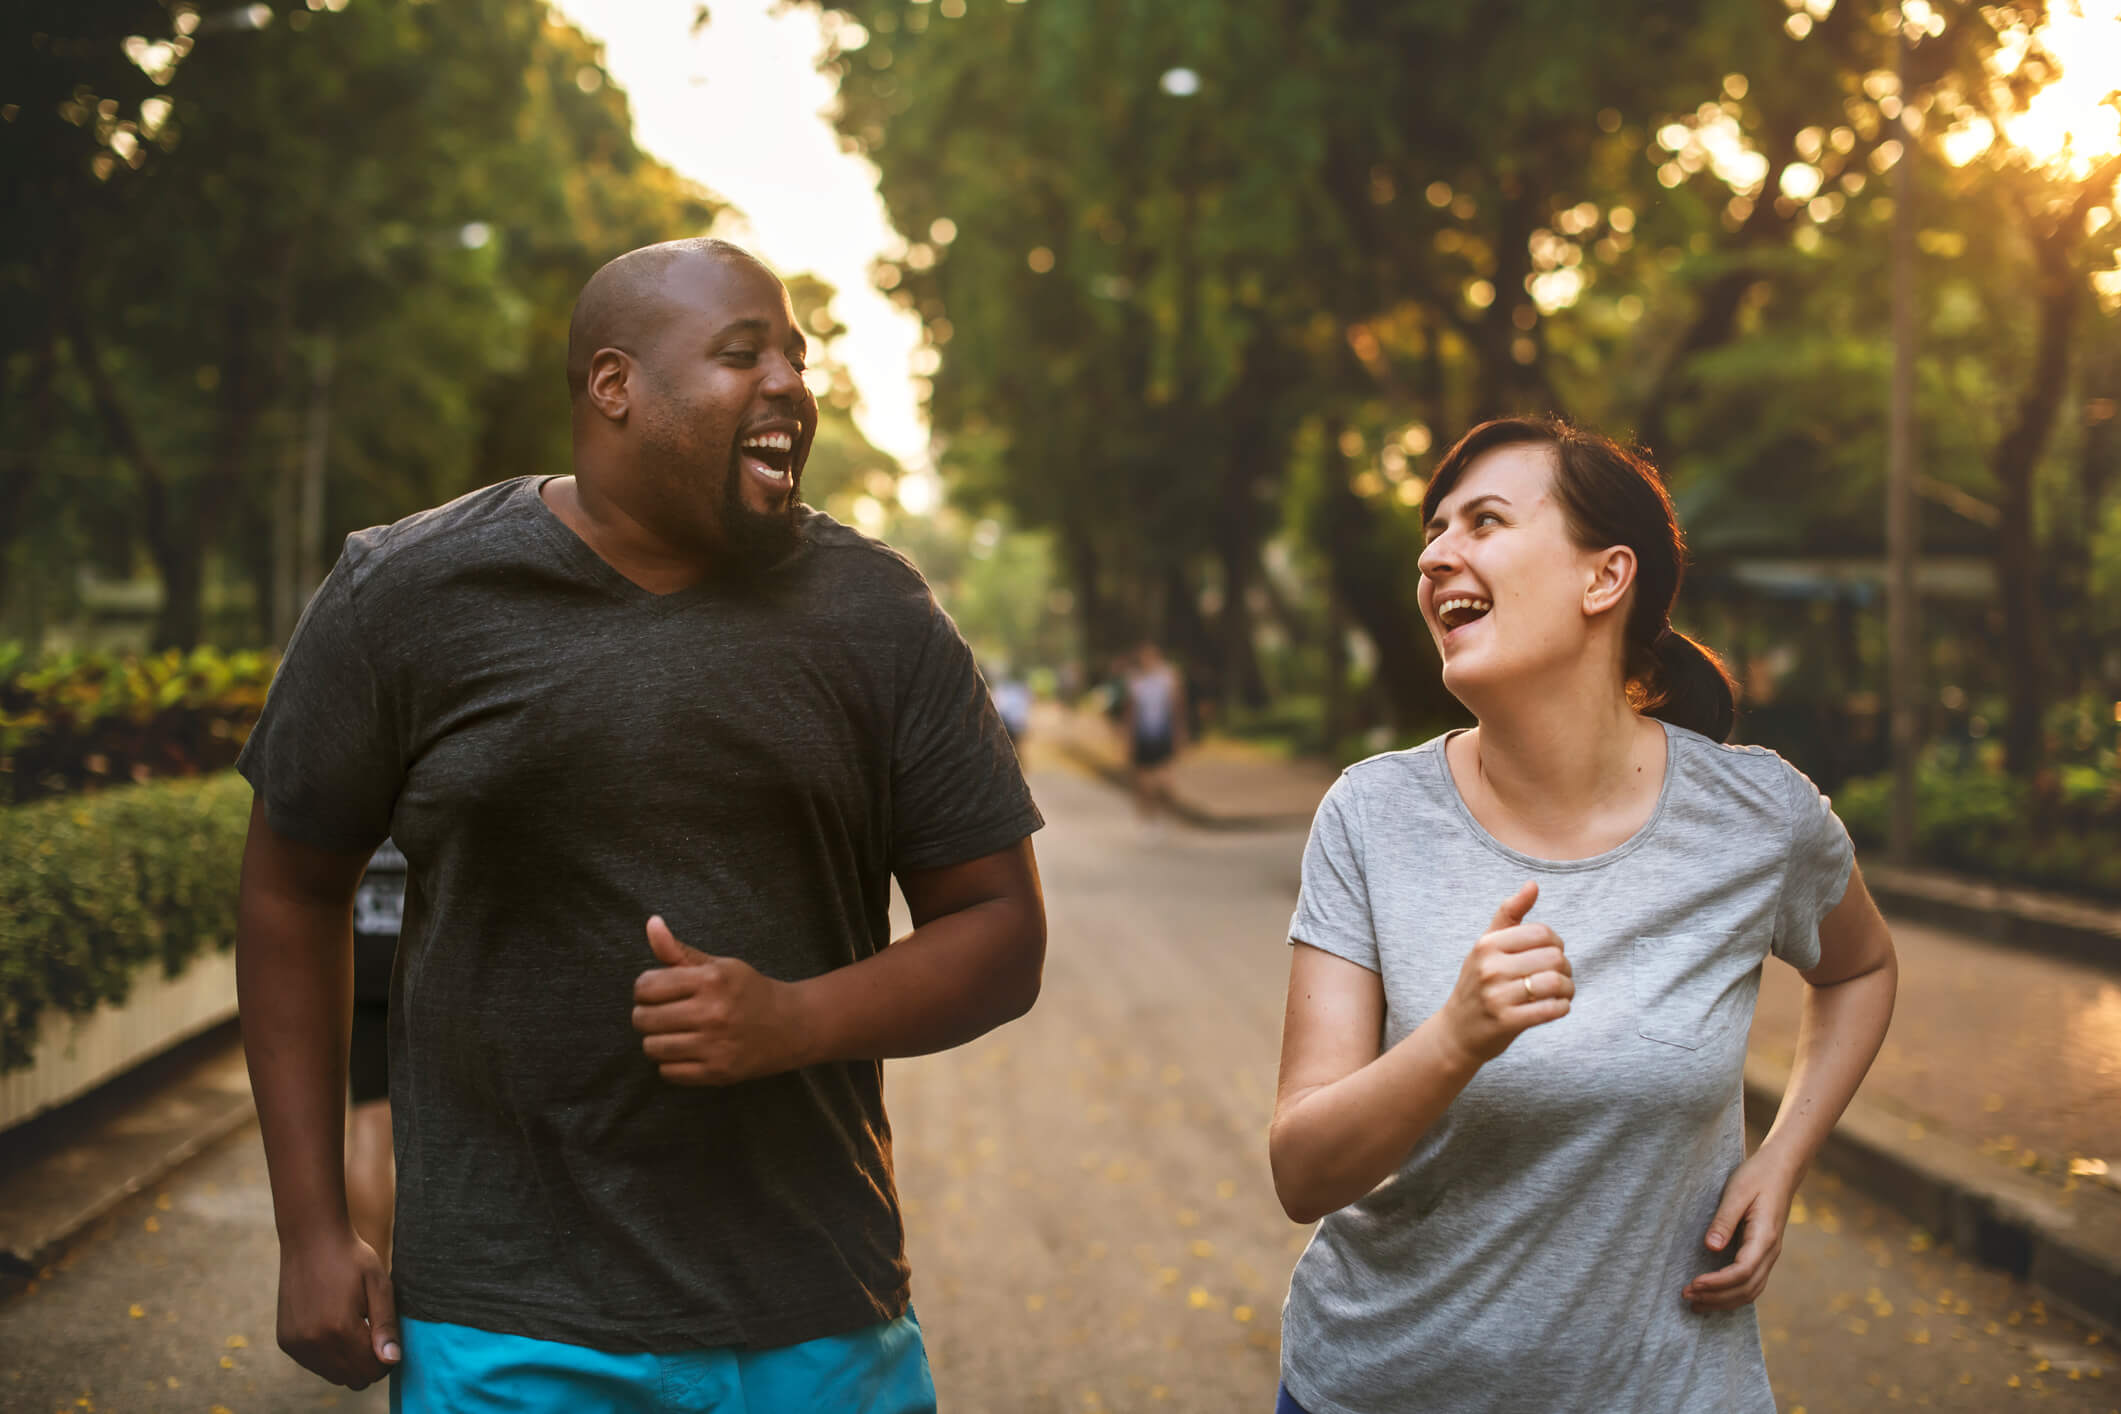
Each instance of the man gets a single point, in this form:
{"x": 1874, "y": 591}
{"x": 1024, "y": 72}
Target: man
{"x": 653, "y": 738}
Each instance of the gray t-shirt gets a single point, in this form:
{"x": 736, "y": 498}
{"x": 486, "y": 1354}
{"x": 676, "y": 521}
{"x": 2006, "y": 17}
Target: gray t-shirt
{"x": 560, "y": 754}
{"x": 1529, "y": 1254}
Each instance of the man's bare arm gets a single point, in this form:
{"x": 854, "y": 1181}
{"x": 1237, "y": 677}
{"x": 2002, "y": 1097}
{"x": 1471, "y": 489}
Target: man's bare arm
{"x": 972, "y": 962}
{"x": 294, "y": 983}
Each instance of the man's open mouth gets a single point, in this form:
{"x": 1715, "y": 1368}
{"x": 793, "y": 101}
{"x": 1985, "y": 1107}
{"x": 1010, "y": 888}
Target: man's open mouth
{"x": 770, "y": 456}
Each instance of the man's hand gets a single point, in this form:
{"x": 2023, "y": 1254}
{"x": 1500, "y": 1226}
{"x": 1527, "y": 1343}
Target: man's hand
{"x": 337, "y": 1316}
{"x": 714, "y": 1020}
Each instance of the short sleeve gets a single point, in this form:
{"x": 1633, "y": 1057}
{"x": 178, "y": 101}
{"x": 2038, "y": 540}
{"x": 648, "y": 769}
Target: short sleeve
{"x": 957, "y": 792}
{"x": 324, "y": 756}
{"x": 1333, "y": 903}
{"x": 1815, "y": 873}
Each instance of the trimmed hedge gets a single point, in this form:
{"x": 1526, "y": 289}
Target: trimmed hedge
{"x": 93, "y": 888}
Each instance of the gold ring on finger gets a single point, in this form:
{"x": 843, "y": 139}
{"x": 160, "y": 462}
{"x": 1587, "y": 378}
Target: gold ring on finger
{"x": 1529, "y": 994}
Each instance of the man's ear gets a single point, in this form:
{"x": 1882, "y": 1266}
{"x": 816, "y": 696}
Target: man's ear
{"x": 611, "y": 376}
{"x": 1612, "y": 575}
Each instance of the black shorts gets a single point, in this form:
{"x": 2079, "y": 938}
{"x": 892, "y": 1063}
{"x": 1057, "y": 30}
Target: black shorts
{"x": 368, "y": 1054}
{"x": 1153, "y": 751}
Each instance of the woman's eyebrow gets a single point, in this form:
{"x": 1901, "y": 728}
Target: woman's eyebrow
{"x": 1436, "y": 522}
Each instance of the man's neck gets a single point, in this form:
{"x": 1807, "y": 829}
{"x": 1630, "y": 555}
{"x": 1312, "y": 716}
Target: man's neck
{"x": 620, "y": 539}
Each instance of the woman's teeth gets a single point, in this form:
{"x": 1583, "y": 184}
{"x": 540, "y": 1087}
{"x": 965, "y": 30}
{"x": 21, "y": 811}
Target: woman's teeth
{"x": 1460, "y": 610}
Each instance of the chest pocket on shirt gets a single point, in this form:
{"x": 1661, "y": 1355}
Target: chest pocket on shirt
{"x": 1688, "y": 986}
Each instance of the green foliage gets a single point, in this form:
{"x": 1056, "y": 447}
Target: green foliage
{"x": 1175, "y": 320}
{"x": 355, "y": 231}
{"x": 95, "y": 888}
{"x": 74, "y": 722}
{"x": 2061, "y": 829}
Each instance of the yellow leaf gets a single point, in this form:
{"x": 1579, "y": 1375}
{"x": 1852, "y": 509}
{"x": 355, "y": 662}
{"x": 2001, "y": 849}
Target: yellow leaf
{"x": 237, "y": 1342}
{"x": 162, "y": 1201}
{"x": 1201, "y": 1247}
{"x": 227, "y": 1363}
{"x": 1226, "y": 1189}
{"x": 1034, "y": 1302}
{"x": 1241, "y": 1314}
{"x": 153, "y": 1226}
{"x": 1199, "y": 1299}
{"x": 136, "y": 1310}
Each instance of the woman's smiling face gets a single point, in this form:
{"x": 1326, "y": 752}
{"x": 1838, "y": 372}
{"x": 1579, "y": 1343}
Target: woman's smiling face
{"x": 1503, "y": 582}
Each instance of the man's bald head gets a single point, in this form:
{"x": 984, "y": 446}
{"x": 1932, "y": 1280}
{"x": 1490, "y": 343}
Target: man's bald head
{"x": 624, "y": 306}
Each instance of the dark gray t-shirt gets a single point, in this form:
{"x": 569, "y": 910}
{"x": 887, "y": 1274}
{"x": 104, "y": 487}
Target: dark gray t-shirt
{"x": 1528, "y": 1256}
{"x": 560, "y": 754}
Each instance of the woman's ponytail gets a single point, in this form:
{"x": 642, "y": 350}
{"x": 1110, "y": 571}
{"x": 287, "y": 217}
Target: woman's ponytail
{"x": 1688, "y": 686}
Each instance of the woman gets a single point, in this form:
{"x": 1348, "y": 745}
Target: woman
{"x": 1524, "y": 966}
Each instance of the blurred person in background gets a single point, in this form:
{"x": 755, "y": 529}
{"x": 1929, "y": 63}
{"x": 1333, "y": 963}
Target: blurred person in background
{"x": 655, "y": 739}
{"x": 1155, "y": 722}
{"x": 1012, "y": 703}
{"x": 371, "y": 1172}
{"x": 1521, "y": 1133}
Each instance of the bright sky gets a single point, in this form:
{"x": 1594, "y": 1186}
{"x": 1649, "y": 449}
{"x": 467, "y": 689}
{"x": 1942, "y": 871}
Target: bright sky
{"x": 738, "y": 110}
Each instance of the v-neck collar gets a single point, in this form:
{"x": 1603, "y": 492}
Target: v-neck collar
{"x": 579, "y": 554}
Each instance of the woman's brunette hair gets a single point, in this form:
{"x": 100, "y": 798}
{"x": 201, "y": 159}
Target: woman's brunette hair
{"x": 1611, "y": 495}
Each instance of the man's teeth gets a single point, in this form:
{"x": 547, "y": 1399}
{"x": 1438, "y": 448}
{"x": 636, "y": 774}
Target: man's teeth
{"x": 772, "y": 441}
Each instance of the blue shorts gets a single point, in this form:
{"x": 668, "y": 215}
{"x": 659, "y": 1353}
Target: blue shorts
{"x": 880, "y": 1369}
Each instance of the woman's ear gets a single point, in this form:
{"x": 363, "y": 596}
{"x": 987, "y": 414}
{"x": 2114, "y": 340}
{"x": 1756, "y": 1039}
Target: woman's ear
{"x": 1612, "y": 575}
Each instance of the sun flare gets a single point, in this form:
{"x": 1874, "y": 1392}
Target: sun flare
{"x": 2075, "y": 122}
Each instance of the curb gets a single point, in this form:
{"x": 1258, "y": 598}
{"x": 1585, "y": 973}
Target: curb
{"x": 2000, "y": 914}
{"x": 28, "y": 1250}
{"x": 100, "y": 1150}
{"x": 2067, "y": 1243}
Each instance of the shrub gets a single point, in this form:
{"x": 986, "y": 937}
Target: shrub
{"x": 2061, "y": 829}
{"x": 76, "y": 722}
{"x": 94, "y": 888}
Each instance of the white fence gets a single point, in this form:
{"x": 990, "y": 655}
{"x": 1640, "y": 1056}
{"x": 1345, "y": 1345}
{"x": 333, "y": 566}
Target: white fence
{"x": 75, "y": 1054}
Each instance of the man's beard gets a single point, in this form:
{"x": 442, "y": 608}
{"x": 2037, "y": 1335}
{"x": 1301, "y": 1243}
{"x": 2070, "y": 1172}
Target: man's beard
{"x": 753, "y": 541}
{"x": 744, "y": 543}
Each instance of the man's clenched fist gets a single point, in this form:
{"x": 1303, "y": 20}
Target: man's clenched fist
{"x": 714, "y": 1020}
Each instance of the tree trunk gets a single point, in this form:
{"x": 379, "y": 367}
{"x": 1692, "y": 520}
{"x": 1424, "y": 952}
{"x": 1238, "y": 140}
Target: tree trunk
{"x": 2016, "y": 461}
{"x": 1368, "y": 578}
{"x": 2017, "y": 458}
{"x": 23, "y": 465}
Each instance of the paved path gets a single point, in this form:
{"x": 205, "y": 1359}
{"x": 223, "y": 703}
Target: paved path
{"x": 1091, "y": 1222}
